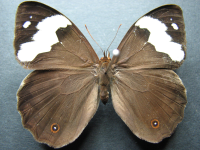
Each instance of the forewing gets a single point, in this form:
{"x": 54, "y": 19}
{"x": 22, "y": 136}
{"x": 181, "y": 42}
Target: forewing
{"x": 148, "y": 96}
{"x": 144, "y": 96}
{"x": 45, "y": 38}
{"x": 156, "y": 40}
{"x": 66, "y": 99}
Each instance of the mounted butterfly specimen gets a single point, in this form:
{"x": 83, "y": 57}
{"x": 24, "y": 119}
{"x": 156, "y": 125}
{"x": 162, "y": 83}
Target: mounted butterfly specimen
{"x": 59, "y": 98}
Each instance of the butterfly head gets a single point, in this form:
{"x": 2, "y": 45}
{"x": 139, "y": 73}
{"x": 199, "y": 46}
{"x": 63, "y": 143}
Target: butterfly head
{"x": 104, "y": 62}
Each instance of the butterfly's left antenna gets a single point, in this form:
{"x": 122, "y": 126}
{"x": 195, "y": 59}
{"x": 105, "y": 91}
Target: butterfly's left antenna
{"x": 113, "y": 38}
{"x": 94, "y": 40}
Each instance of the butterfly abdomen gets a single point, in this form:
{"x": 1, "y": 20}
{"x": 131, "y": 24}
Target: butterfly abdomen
{"x": 104, "y": 79}
{"x": 104, "y": 94}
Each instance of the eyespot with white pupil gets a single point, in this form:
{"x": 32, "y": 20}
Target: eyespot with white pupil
{"x": 55, "y": 127}
{"x": 155, "y": 123}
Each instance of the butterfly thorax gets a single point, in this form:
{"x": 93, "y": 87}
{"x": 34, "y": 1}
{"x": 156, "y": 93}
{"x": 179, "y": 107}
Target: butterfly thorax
{"x": 104, "y": 79}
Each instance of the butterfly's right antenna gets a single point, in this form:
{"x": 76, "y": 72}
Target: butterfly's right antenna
{"x": 94, "y": 40}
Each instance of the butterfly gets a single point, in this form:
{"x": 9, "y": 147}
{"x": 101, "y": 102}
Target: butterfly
{"x": 59, "y": 98}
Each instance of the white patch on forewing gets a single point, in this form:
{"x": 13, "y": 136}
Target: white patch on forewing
{"x": 160, "y": 39}
{"x": 26, "y": 24}
{"x": 44, "y": 38}
{"x": 175, "y": 26}
{"x": 116, "y": 52}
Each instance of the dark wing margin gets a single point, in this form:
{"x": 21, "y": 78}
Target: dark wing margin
{"x": 66, "y": 100}
{"x": 45, "y": 39}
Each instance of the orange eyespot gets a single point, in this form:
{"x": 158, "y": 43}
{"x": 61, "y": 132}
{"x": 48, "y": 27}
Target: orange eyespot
{"x": 55, "y": 127}
{"x": 155, "y": 123}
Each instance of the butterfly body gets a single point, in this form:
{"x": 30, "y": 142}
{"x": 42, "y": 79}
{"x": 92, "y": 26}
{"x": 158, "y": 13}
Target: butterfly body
{"x": 104, "y": 78}
{"x": 59, "y": 98}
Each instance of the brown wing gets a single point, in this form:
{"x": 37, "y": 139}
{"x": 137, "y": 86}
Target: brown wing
{"x": 44, "y": 38}
{"x": 156, "y": 40}
{"x": 57, "y": 100}
{"x": 57, "y": 105}
{"x": 148, "y": 96}
{"x": 144, "y": 96}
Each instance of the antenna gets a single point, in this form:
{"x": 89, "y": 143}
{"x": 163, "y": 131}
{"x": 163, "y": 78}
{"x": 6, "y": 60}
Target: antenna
{"x": 113, "y": 38}
{"x": 94, "y": 40}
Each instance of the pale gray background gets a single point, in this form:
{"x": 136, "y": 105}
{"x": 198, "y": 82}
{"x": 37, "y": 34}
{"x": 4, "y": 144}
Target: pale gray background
{"x": 106, "y": 130}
